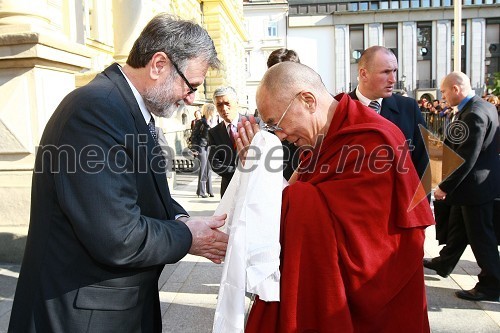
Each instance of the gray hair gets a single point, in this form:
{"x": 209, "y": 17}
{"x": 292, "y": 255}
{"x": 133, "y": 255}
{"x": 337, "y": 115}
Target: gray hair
{"x": 180, "y": 39}
{"x": 225, "y": 91}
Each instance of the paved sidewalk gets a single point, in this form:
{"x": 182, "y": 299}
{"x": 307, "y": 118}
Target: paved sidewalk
{"x": 188, "y": 289}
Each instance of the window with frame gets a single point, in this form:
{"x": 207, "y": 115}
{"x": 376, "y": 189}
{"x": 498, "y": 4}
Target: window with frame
{"x": 424, "y": 41}
{"x": 272, "y": 29}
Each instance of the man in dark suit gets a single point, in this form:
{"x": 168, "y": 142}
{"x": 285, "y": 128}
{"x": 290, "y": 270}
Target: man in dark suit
{"x": 471, "y": 189}
{"x": 222, "y": 154}
{"x": 103, "y": 222}
{"x": 377, "y": 74}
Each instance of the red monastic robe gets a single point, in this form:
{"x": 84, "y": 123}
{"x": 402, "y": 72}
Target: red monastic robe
{"x": 352, "y": 250}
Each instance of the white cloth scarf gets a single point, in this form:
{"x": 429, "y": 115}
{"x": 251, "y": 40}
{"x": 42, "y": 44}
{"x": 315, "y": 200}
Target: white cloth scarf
{"x": 253, "y": 204}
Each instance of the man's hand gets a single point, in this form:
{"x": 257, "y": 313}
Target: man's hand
{"x": 439, "y": 194}
{"x": 247, "y": 129}
{"x": 208, "y": 242}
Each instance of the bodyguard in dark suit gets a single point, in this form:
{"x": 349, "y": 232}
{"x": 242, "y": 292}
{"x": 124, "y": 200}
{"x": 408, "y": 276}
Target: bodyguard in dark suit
{"x": 472, "y": 188}
{"x": 103, "y": 222}
{"x": 377, "y": 74}
{"x": 222, "y": 154}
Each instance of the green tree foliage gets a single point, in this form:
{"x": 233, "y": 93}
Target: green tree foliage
{"x": 495, "y": 85}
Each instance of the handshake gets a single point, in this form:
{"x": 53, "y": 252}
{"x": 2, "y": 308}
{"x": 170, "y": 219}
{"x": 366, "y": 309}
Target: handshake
{"x": 208, "y": 241}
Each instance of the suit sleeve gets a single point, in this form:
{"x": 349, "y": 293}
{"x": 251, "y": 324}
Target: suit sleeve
{"x": 98, "y": 191}
{"x": 469, "y": 149}
{"x": 419, "y": 156}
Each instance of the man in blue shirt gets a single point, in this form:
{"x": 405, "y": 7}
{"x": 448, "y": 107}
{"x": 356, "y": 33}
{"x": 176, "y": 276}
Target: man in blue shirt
{"x": 471, "y": 189}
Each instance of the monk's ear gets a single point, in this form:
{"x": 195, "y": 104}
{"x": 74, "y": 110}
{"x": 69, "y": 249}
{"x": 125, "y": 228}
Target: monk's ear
{"x": 158, "y": 64}
{"x": 310, "y": 101}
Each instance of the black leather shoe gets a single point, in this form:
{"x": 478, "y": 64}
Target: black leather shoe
{"x": 211, "y": 195}
{"x": 474, "y": 295}
{"x": 435, "y": 266}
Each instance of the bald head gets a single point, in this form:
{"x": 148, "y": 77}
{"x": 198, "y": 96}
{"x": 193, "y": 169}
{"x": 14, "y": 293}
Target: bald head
{"x": 459, "y": 79}
{"x": 285, "y": 79}
{"x": 371, "y": 53}
{"x": 292, "y": 99}
{"x": 455, "y": 87}
{"x": 377, "y": 72}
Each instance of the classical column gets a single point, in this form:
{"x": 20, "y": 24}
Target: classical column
{"x": 476, "y": 41}
{"x": 342, "y": 58}
{"x": 31, "y": 14}
{"x": 374, "y": 34}
{"x": 37, "y": 66}
{"x": 129, "y": 18}
{"x": 407, "y": 38}
{"x": 442, "y": 49}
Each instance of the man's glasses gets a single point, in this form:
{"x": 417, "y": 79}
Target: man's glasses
{"x": 274, "y": 128}
{"x": 191, "y": 88}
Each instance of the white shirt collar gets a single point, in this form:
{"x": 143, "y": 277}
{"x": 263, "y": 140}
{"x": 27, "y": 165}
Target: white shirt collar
{"x": 144, "y": 110}
{"x": 364, "y": 100}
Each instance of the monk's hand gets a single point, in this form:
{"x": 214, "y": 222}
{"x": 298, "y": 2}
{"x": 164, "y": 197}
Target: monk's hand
{"x": 439, "y": 194}
{"x": 247, "y": 128}
{"x": 208, "y": 241}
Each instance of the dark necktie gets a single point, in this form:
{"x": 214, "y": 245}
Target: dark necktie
{"x": 231, "y": 135}
{"x": 375, "y": 106}
{"x": 152, "y": 130}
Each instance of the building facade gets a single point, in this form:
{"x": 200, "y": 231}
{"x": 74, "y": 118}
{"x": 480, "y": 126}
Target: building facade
{"x": 50, "y": 47}
{"x": 329, "y": 36}
{"x": 420, "y": 32}
{"x": 266, "y": 26}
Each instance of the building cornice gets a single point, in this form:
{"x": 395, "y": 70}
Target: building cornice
{"x": 232, "y": 13}
{"x": 390, "y": 16}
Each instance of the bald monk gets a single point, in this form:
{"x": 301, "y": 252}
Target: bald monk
{"x": 352, "y": 240}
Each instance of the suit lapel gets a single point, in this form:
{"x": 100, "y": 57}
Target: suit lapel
{"x": 389, "y": 106}
{"x": 223, "y": 134}
{"x": 144, "y": 136}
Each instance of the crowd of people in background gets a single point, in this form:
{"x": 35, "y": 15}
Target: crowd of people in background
{"x": 438, "y": 113}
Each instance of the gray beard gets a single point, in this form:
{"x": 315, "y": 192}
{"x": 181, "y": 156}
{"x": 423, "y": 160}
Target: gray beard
{"x": 159, "y": 102}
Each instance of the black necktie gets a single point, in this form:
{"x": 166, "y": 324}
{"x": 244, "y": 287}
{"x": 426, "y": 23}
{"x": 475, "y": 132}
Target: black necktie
{"x": 375, "y": 106}
{"x": 152, "y": 130}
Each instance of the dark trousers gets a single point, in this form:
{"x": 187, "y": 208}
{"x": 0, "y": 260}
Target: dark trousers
{"x": 204, "y": 174}
{"x": 473, "y": 225}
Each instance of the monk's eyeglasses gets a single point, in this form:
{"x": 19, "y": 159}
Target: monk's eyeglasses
{"x": 191, "y": 88}
{"x": 274, "y": 128}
